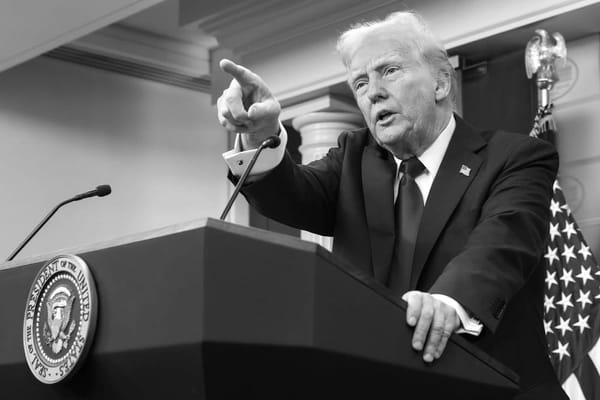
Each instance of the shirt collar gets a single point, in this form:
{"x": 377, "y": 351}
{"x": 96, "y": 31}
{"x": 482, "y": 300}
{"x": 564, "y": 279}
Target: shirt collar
{"x": 432, "y": 157}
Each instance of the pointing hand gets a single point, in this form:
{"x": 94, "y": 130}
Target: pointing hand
{"x": 247, "y": 106}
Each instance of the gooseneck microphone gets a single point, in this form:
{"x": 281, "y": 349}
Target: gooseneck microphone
{"x": 100, "y": 191}
{"x": 271, "y": 142}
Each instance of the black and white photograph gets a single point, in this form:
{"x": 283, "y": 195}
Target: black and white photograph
{"x": 311, "y": 199}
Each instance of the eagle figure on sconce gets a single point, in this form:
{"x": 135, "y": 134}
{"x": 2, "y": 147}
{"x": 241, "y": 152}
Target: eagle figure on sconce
{"x": 543, "y": 54}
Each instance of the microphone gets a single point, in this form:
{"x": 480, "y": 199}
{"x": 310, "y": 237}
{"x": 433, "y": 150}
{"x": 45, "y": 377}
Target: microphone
{"x": 100, "y": 191}
{"x": 270, "y": 142}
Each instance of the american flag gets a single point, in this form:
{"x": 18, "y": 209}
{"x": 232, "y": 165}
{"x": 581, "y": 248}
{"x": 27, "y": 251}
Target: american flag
{"x": 572, "y": 293}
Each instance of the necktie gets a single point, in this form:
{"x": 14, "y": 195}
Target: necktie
{"x": 408, "y": 210}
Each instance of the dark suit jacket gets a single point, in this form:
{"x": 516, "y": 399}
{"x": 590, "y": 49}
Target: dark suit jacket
{"x": 480, "y": 241}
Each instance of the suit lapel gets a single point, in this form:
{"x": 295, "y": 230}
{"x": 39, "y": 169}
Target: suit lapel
{"x": 378, "y": 173}
{"x": 448, "y": 188}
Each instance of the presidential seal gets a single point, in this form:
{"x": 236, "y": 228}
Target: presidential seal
{"x": 60, "y": 318}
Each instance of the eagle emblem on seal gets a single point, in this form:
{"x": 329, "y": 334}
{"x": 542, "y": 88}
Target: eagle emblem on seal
{"x": 58, "y": 326}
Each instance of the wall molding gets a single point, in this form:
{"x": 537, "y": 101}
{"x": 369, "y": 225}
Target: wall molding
{"x": 130, "y": 68}
{"x": 189, "y": 57}
{"x": 134, "y": 52}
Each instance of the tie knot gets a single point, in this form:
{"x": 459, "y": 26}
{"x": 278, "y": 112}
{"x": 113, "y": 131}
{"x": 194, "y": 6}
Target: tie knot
{"x": 412, "y": 167}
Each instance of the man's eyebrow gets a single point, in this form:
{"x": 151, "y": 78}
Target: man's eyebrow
{"x": 355, "y": 74}
{"x": 376, "y": 64}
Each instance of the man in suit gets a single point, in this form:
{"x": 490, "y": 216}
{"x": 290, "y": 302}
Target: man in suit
{"x": 452, "y": 220}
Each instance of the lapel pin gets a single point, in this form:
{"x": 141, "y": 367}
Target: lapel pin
{"x": 464, "y": 170}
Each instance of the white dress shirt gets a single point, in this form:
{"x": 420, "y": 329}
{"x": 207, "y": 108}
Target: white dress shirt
{"x": 237, "y": 160}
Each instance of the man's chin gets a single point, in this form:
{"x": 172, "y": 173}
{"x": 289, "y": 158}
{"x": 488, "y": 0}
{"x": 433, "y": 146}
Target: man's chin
{"x": 390, "y": 137}
{"x": 395, "y": 144}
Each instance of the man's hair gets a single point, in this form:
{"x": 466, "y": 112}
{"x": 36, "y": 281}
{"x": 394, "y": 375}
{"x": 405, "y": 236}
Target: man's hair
{"x": 408, "y": 28}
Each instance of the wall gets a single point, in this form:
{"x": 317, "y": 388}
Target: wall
{"x": 64, "y": 129}
{"x": 577, "y": 100}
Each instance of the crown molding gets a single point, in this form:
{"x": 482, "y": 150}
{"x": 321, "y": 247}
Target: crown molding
{"x": 518, "y": 20}
{"x": 182, "y": 56}
{"x": 247, "y": 26}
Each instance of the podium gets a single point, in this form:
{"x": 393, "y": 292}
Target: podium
{"x": 212, "y": 310}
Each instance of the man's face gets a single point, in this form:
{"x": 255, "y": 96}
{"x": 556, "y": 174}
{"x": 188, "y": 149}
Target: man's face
{"x": 396, "y": 92}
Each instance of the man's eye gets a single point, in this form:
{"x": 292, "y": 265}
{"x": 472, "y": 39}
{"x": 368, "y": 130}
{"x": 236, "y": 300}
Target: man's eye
{"x": 390, "y": 70}
{"x": 359, "y": 84}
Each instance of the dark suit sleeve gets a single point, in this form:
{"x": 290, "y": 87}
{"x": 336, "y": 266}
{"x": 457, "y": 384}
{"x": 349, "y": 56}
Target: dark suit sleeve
{"x": 301, "y": 196}
{"x": 508, "y": 240}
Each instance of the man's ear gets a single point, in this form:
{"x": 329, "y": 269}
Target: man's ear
{"x": 443, "y": 85}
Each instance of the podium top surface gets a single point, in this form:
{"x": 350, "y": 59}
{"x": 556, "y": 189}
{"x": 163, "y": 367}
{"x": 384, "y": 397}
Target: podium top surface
{"x": 283, "y": 240}
{"x": 273, "y": 240}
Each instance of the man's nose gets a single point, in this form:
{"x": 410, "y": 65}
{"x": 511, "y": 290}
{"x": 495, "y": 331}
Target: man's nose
{"x": 376, "y": 90}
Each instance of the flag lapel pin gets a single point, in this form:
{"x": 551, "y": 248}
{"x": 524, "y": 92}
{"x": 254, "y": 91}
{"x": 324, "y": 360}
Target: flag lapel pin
{"x": 464, "y": 170}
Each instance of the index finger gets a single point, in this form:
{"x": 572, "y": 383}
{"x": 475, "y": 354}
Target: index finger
{"x": 413, "y": 311}
{"x": 243, "y": 75}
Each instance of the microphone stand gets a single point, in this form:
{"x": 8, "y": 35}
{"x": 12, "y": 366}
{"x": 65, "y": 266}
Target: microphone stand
{"x": 37, "y": 228}
{"x": 271, "y": 141}
{"x": 100, "y": 191}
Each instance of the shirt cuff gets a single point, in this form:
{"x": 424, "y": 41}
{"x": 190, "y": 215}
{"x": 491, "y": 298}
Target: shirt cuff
{"x": 237, "y": 159}
{"x": 470, "y": 325}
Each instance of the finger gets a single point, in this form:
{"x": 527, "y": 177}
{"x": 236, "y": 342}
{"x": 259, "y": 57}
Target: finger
{"x": 238, "y": 125}
{"x": 266, "y": 109}
{"x": 233, "y": 102}
{"x": 452, "y": 322}
{"x": 257, "y": 111}
{"x": 436, "y": 330}
{"x": 222, "y": 109}
{"x": 229, "y": 127}
{"x": 224, "y": 114}
{"x": 234, "y": 128}
{"x": 423, "y": 323}
{"x": 236, "y": 110}
{"x": 413, "y": 298}
{"x": 243, "y": 75}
